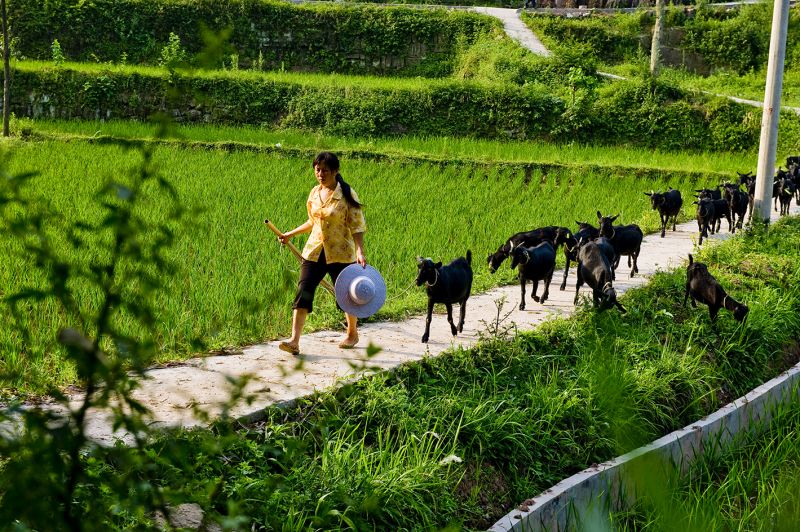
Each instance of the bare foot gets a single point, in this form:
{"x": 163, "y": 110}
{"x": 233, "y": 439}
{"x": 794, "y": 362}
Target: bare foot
{"x": 289, "y": 347}
{"x": 349, "y": 342}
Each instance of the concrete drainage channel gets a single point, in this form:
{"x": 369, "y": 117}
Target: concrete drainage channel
{"x": 578, "y": 500}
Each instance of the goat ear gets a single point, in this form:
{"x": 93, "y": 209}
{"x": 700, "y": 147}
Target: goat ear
{"x": 695, "y": 203}
{"x": 614, "y": 218}
{"x": 648, "y": 193}
{"x": 599, "y": 215}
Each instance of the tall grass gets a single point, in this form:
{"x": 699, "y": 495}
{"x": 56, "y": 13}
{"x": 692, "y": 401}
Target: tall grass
{"x": 752, "y": 484}
{"x": 460, "y": 439}
{"x": 443, "y": 148}
{"x": 235, "y": 284}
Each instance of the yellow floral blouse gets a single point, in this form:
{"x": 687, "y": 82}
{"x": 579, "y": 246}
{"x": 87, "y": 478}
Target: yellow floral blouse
{"x": 334, "y": 224}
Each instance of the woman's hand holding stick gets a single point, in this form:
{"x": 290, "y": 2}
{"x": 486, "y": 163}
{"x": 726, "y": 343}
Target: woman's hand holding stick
{"x": 285, "y": 241}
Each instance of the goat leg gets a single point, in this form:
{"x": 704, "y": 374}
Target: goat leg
{"x": 428, "y": 322}
{"x": 453, "y": 328}
{"x": 566, "y": 271}
{"x": 712, "y": 312}
{"x": 578, "y": 284}
{"x": 547, "y": 281}
{"x": 535, "y": 289}
{"x": 462, "y": 312}
{"x": 522, "y": 289}
{"x": 664, "y": 220}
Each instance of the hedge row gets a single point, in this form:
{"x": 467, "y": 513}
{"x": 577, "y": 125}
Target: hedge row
{"x": 264, "y": 34}
{"x": 737, "y": 40}
{"x": 632, "y": 113}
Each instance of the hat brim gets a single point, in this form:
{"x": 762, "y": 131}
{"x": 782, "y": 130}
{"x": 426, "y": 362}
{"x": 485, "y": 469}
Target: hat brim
{"x": 342, "y": 289}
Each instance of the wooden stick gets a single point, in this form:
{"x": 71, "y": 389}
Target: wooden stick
{"x": 325, "y": 283}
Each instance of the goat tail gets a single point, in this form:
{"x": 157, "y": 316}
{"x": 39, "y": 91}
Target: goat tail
{"x": 469, "y": 257}
{"x": 691, "y": 259}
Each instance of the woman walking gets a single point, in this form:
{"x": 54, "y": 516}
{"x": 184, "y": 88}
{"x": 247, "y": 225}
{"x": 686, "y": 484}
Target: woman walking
{"x": 337, "y": 226}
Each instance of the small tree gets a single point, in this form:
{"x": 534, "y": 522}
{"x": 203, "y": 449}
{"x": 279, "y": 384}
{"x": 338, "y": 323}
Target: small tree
{"x": 655, "y": 47}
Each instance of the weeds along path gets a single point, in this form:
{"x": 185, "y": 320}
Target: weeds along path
{"x": 170, "y": 392}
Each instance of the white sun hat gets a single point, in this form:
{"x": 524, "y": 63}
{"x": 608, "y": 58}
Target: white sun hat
{"x": 360, "y": 291}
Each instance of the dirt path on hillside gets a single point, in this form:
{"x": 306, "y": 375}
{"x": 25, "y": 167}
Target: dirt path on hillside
{"x": 171, "y": 391}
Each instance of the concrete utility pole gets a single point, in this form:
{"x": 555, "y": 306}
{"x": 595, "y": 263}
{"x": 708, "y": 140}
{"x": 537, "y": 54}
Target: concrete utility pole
{"x": 772, "y": 108}
{"x": 6, "y": 69}
{"x": 655, "y": 46}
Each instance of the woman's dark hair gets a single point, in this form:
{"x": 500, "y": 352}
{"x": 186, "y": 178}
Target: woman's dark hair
{"x": 331, "y": 161}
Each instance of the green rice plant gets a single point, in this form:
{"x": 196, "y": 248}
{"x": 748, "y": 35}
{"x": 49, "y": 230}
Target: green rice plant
{"x": 236, "y": 283}
{"x": 451, "y": 149}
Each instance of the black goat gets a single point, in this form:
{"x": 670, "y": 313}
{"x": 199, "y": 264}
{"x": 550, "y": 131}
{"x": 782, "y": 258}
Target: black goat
{"x": 786, "y": 191}
{"x": 570, "y": 241}
{"x": 626, "y": 240}
{"x": 711, "y": 193}
{"x": 703, "y": 287}
{"x": 722, "y": 209}
{"x": 535, "y": 264}
{"x": 446, "y": 284}
{"x": 527, "y": 239}
{"x": 668, "y": 205}
{"x": 749, "y": 181}
{"x": 705, "y": 217}
{"x": 594, "y": 269}
{"x": 738, "y": 202}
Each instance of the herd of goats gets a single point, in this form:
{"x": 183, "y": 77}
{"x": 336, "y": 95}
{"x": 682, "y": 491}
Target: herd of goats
{"x": 598, "y": 250}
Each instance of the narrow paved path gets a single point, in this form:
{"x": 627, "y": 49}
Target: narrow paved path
{"x": 170, "y": 392}
{"x": 515, "y": 28}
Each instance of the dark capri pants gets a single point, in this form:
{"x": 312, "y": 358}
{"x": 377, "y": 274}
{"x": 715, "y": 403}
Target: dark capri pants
{"x": 311, "y": 274}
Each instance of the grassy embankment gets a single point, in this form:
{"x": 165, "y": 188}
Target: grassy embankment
{"x": 617, "y": 39}
{"x": 460, "y": 439}
{"x": 234, "y": 285}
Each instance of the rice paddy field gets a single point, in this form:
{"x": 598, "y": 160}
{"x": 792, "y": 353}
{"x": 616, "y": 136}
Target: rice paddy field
{"x": 430, "y": 148}
{"x": 234, "y": 283}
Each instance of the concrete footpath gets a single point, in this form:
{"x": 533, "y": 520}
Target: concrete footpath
{"x": 170, "y": 392}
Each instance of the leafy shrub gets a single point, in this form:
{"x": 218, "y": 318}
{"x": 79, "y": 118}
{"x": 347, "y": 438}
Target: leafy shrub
{"x": 740, "y": 43}
{"x": 330, "y": 38}
{"x": 57, "y": 54}
{"x": 173, "y": 53}
{"x": 639, "y": 113}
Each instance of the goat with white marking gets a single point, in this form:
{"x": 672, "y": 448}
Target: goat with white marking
{"x": 534, "y": 264}
{"x": 447, "y": 285}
